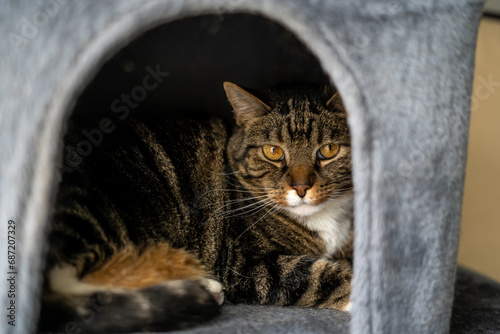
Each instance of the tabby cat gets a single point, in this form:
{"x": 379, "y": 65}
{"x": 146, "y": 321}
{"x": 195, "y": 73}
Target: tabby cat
{"x": 167, "y": 217}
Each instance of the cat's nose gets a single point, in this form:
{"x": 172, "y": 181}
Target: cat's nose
{"x": 301, "y": 189}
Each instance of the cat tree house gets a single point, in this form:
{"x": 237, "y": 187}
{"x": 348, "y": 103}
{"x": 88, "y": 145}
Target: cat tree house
{"x": 403, "y": 68}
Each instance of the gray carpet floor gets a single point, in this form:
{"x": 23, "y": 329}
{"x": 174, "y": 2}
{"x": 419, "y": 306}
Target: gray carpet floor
{"x": 476, "y": 310}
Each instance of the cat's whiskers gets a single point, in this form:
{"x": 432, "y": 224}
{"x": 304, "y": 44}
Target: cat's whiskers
{"x": 261, "y": 202}
{"x": 233, "y": 201}
{"x": 339, "y": 185}
{"x": 253, "y": 206}
{"x": 336, "y": 182}
{"x": 258, "y": 220}
{"x": 339, "y": 193}
{"x": 249, "y": 212}
{"x": 335, "y": 189}
{"x": 198, "y": 200}
{"x": 238, "y": 185}
{"x": 247, "y": 229}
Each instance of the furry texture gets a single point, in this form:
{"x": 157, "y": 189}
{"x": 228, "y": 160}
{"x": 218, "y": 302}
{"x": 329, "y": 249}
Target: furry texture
{"x": 404, "y": 70}
{"x": 163, "y": 199}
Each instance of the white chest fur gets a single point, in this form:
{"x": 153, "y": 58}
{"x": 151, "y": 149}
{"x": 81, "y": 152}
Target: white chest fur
{"x": 332, "y": 222}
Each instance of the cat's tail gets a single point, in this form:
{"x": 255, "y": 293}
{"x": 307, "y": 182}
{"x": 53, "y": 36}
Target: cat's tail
{"x": 70, "y": 305}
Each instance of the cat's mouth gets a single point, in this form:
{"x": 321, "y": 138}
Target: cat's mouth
{"x": 301, "y": 206}
{"x": 303, "y": 209}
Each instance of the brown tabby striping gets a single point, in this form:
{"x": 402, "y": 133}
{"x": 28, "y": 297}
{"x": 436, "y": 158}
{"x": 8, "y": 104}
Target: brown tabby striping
{"x": 164, "y": 213}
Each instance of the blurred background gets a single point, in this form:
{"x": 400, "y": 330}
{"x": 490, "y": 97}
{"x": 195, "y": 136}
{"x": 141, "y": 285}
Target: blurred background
{"x": 480, "y": 238}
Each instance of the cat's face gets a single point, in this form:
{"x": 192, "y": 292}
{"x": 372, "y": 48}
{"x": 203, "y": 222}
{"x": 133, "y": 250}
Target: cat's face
{"x": 293, "y": 150}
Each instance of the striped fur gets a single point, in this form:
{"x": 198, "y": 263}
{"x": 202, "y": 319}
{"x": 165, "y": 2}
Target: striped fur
{"x": 163, "y": 209}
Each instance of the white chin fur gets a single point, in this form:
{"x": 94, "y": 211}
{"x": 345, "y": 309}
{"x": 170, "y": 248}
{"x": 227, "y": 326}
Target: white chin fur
{"x": 303, "y": 210}
{"x": 300, "y": 207}
{"x": 331, "y": 219}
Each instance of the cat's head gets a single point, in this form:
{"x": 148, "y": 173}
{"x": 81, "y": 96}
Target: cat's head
{"x": 291, "y": 147}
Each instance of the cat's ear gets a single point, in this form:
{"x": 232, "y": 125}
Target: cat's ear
{"x": 246, "y": 106}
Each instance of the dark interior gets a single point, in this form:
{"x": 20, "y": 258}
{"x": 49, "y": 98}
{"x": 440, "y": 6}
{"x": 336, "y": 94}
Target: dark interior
{"x": 199, "y": 53}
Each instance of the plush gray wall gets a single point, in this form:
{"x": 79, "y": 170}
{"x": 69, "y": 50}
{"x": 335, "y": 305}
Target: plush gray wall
{"x": 404, "y": 69}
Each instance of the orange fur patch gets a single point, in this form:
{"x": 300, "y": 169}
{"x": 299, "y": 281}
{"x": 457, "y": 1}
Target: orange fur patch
{"x": 130, "y": 270}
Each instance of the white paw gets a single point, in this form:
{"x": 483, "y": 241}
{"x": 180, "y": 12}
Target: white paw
{"x": 215, "y": 288}
{"x": 348, "y": 307}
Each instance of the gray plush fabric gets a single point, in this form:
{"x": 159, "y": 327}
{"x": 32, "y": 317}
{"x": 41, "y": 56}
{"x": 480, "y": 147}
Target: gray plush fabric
{"x": 476, "y": 310}
{"x": 272, "y": 319}
{"x": 403, "y": 68}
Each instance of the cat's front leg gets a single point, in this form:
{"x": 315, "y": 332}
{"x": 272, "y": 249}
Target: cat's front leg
{"x": 293, "y": 280}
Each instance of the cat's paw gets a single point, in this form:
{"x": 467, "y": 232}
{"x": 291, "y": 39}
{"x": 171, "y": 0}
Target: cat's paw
{"x": 215, "y": 288}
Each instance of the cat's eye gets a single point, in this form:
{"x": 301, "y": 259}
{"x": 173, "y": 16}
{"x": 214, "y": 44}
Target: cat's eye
{"x": 328, "y": 151}
{"x": 274, "y": 153}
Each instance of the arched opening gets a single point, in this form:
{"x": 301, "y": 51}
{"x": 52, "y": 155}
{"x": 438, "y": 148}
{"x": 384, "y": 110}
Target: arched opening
{"x": 179, "y": 68}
